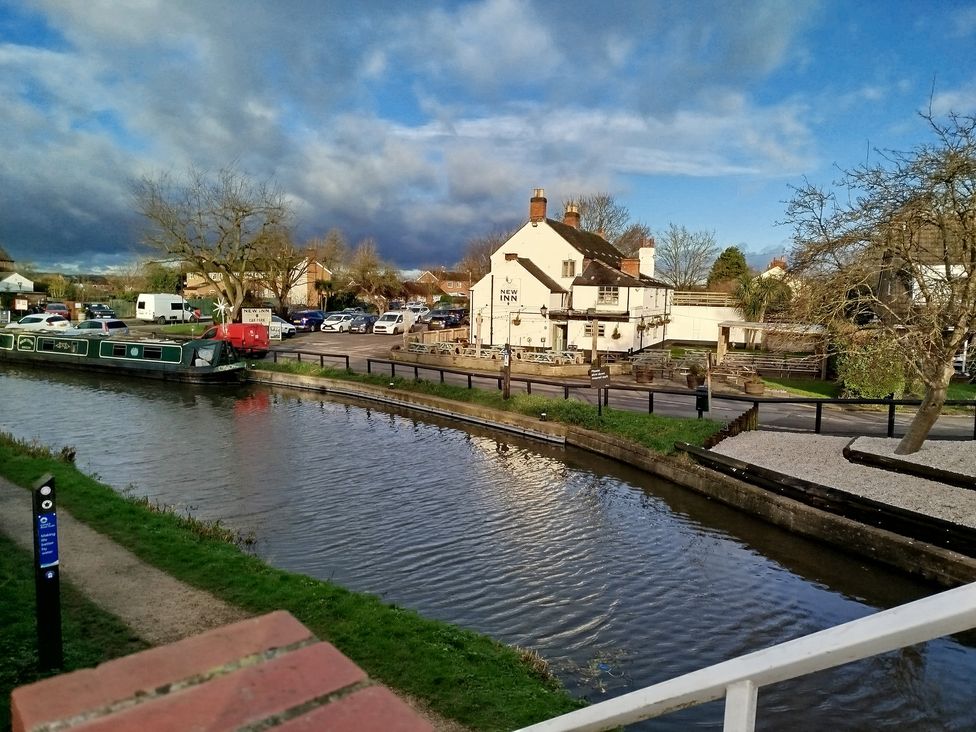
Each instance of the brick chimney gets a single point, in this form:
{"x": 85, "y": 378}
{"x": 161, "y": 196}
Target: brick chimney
{"x": 537, "y": 206}
{"x": 645, "y": 256}
{"x": 572, "y": 215}
{"x": 630, "y": 266}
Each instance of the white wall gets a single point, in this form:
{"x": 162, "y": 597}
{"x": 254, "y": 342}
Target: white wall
{"x": 700, "y": 323}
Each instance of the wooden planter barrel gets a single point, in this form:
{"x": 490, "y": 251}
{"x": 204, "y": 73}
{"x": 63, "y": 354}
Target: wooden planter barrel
{"x": 643, "y": 373}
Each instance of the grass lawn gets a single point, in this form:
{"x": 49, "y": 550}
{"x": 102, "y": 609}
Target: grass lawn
{"x": 90, "y": 636}
{"x": 655, "y": 432}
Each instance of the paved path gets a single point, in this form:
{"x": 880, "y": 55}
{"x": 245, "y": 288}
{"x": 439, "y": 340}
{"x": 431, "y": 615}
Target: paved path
{"x": 157, "y": 607}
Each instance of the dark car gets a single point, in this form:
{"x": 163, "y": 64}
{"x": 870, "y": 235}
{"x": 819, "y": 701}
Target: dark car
{"x": 98, "y": 310}
{"x": 307, "y": 319}
{"x": 362, "y": 324}
{"x": 438, "y": 322}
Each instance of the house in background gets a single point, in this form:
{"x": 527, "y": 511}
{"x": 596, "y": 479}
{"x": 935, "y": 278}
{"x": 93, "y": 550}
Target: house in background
{"x": 12, "y": 283}
{"x": 446, "y": 282}
{"x": 305, "y": 291}
{"x": 552, "y": 286}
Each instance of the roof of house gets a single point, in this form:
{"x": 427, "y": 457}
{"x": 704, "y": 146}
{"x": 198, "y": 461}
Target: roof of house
{"x": 590, "y": 245}
{"x": 533, "y": 269}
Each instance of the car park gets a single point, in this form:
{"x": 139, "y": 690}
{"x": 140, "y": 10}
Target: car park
{"x": 287, "y": 329}
{"x": 58, "y": 308}
{"x": 362, "y": 323}
{"x": 99, "y": 326}
{"x": 337, "y": 323}
{"x": 41, "y": 321}
{"x": 307, "y": 319}
{"x": 98, "y": 310}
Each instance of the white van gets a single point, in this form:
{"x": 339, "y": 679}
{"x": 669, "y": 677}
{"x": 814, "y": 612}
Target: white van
{"x": 164, "y": 308}
{"x": 393, "y": 322}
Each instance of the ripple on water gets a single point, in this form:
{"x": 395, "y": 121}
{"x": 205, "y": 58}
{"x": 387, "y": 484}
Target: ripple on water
{"x": 619, "y": 580}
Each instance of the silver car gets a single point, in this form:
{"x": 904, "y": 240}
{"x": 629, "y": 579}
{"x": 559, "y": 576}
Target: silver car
{"x": 100, "y": 326}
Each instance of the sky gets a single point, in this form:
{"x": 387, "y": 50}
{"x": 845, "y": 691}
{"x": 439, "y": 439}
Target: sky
{"x": 424, "y": 125}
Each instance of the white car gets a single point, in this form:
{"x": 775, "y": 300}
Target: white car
{"x": 41, "y": 321}
{"x": 287, "y": 329}
{"x": 338, "y": 323}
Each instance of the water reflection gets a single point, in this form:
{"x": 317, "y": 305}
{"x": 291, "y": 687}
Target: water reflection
{"x": 619, "y": 579}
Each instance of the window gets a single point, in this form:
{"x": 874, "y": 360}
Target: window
{"x": 152, "y": 352}
{"x": 588, "y": 329}
{"x": 569, "y": 268}
{"x": 608, "y": 295}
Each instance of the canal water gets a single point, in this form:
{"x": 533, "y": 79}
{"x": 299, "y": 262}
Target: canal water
{"x": 620, "y": 580}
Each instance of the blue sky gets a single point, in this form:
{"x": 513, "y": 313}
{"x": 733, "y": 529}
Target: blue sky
{"x": 424, "y": 124}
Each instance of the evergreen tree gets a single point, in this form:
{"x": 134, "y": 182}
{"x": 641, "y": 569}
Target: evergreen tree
{"x": 730, "y": 266}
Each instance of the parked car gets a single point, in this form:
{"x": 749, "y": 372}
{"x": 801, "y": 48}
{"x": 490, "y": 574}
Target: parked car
{"x": 99, "y": 326}
{"x": 41, "y": 321}
{"x": 58, "y": 308}
{"x": 287, "y": 329}
{"x": 307, "y": 319}
{"x": 362, "y": 323}
{"x": 438, "y": 322}
{"x": 98, "y": 310}
{"x": 338, "y": 323}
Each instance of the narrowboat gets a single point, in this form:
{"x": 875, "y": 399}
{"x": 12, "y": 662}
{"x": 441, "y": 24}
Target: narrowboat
{"x": 194, "y": 361}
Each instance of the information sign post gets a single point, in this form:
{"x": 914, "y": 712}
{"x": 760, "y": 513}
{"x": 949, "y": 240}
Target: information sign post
{"x": 599, "y": 380}
{"x": 47, "y": 580}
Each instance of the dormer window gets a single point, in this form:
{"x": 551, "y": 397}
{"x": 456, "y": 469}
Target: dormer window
{"x": 608, "y": 295}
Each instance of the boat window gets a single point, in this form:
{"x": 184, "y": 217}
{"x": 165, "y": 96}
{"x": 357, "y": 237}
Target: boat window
{"x": 204, "y": 355}
{"x": 45, "y": 344}
{"x": 152, "y": 352}
{"x": 118, "y": 350}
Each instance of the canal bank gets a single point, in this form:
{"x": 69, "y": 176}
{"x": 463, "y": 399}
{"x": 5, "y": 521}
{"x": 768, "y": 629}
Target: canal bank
{"x": 878, "y": 543}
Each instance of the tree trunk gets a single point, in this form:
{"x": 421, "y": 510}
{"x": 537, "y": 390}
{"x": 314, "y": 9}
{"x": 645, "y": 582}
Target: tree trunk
{"x": 926, "y": 416}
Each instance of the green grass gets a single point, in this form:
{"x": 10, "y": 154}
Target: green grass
{"x": 478, "y": 681}
{"x": 90, "y": 635}
{"x": 652, "y": 431}
{"x": 804, "y": 386}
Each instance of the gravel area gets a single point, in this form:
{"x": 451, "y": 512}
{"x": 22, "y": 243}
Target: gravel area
{"x": 955, "y": 456}
{"x": 820, "y": 459}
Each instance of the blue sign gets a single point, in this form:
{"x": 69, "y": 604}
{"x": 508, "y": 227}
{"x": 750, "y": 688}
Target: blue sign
{"x": 47, "y": 539}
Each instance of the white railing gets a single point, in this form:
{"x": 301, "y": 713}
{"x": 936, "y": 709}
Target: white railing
{"x": 739, "y": 679}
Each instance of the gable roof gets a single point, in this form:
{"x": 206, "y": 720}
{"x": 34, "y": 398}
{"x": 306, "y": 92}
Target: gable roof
{"x": 590, "y": 245}
{"x": 533, "y": 269}
{"x": 597, "y": 273}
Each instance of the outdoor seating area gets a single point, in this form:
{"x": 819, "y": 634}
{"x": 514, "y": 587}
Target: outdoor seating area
{"x": 770, "y": 363}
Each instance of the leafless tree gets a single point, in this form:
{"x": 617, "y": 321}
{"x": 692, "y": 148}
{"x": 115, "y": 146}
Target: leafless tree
{"x": 369, "y": 277}
{"x": 278, "y": 266}
{"x": 478, "y": 251}
{"x": 601, "y": 214}
{"x": 331, "y": 250}
{"x": 632, "y": 239}
{"x": 897, "y": 242}
{"x": 216, "y": 225}
{"x": 684, "y": 257}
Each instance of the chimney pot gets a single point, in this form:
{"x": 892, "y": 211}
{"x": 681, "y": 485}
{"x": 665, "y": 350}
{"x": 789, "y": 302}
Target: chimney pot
{"x": 572, "y": 215}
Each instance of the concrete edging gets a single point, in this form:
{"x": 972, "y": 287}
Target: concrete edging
{"x": 915, "y": 557}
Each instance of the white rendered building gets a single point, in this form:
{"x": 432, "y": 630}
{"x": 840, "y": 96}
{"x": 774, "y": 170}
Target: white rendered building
{"x": 551, "y": 281}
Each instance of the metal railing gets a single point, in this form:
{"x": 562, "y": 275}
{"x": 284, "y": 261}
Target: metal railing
{"x": 738, "y": 680}
{"x": 567, "y": 386}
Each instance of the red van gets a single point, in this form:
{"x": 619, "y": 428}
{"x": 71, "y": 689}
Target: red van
{"x": 250, "y": 339}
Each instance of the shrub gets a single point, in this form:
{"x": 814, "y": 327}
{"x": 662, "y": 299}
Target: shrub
{"x": 872, "y": 367}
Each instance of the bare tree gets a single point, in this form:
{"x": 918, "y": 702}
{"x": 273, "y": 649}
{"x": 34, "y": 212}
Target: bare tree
{"x": 601, "y": 214}
{"x": 898, "y": 245}
{"x": 279, "y": 266}
{"x": 477, "y": 254}
{"x": 632, "y": 238}
{"x": 331, "y": 250}
{"x": 215, "y": 225}
{"x": 369, "y": 277}
{"x": 684, "y": 257}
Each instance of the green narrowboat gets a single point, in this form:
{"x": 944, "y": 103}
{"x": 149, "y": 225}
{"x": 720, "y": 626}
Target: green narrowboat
{"x": 195, "y": 361}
